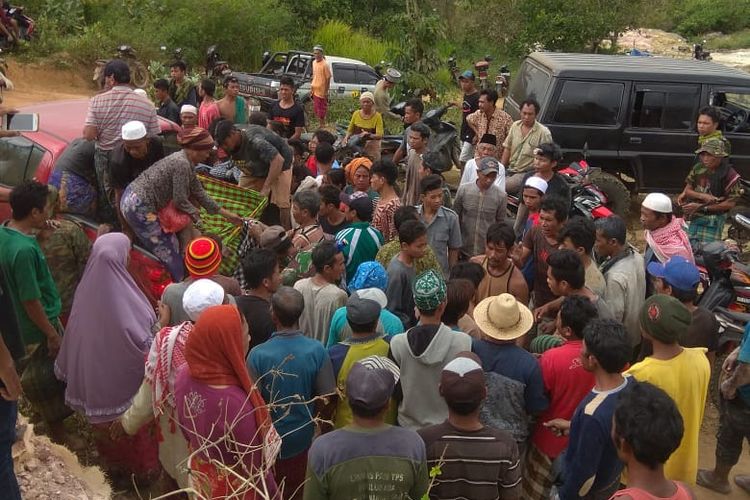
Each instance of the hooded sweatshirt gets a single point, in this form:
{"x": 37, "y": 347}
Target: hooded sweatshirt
{"x": 421, "y": 361}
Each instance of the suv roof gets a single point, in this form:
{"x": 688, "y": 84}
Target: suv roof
{"x": 642, "y": 68}
{"x": 331, "y": 59}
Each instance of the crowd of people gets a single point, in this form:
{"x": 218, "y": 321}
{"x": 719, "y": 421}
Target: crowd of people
{"x": 378, "y": 339}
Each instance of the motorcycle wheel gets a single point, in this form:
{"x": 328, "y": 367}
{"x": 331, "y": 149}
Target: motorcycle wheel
{"x": 140, "y": 76}
{"x": 617, "y": 194}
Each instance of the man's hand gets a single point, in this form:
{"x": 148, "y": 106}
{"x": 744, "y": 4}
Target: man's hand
{"x": 690, "y": 208}
{"x": 541, "y": 311}
{"x": 53, "y": 345}
{"x": 265, "y": 191}
{"x": 103, "y": 229}
{"x": 9, "y": 377}
{"x": 558, "y": 426}
{"x": 731, "y": 361}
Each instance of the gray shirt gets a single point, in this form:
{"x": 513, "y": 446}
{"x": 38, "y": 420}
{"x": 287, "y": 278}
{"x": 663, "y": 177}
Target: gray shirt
{"x": 626, "y": 292}
{"x": 258, "y": 147}
{"x": 443, "y": 234}
{"x": 399, "y": 292}
{"x": 478, "y": 210}
{"x": 172, "y": 179}
{"x": 172, "y": 296}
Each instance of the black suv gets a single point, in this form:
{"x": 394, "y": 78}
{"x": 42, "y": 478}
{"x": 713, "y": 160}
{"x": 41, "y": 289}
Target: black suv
{"x": 634, "y": 115}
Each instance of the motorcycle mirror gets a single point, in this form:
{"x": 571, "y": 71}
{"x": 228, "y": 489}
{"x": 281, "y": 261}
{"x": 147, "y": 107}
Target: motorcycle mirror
{"x": 585, "y": 151}
{"x": 488, "y": 58}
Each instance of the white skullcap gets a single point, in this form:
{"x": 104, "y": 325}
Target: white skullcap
{"x": 537, "y": 183}
{"x": 188, "y": 108}
{"x": 374, "y": 294}
{"x": 140, "y": 92}
{"x": 132, "y": 131}
{"x": 201, "y": 295}
{"x": 658, "y": 202}
{"x": 462, "y": 365}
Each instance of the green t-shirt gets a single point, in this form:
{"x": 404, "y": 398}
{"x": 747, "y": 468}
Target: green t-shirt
{"x": 28, "y": 278}
{"x": 387, "y": 463}
{"x": 361, "y": 244}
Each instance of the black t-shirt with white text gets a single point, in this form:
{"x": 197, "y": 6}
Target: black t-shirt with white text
{"x": 290, "y": 118}
{"x": 468, "y": 106}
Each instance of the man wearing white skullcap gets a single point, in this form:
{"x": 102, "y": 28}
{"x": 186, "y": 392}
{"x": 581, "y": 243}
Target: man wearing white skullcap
{"x": 188, "y": 116}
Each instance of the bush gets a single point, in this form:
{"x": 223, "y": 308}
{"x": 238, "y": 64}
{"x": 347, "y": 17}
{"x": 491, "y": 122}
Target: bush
{"x": 694, "y": 17}
{"x": 338, "y": 38}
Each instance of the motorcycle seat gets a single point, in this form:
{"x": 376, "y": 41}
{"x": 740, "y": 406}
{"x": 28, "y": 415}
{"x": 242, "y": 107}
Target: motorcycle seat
{"x": 733, "y": 315}
{"x": 742, "y": 267}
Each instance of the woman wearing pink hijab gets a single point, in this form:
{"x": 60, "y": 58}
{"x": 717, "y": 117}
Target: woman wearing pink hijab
{"x": 101, "y": 359}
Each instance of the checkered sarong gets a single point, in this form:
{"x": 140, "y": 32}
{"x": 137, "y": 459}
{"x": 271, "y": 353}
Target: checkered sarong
{"x": 244, "y": 202}
{"x": 706, "y": 228}
{"x": 537, "y": 479}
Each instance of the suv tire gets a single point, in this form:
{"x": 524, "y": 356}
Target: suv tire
{"x": 616, "y": 192}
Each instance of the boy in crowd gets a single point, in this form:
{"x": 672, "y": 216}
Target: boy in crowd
{"x": 501, "y": 275}
{"x": 647, "y": 429}
{"x": 592, "y": 467}
{"x": 412, "y": 235}
{"x": 393, "y": 247}
{"x": 360, "y": 240}
{"x": 330, "y": 217}
{"x": 476, "y": 461}
{"x": 579, "y": 234}
{"x": 443, "y": 229}
{"x": 683, "y": 373}
{"x": 566, "y": 383}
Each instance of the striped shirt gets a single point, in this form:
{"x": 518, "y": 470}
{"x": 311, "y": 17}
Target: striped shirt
{"x": 361, "y": 243}
{"x": 481, "y": 465}
{"x": 109, "y": 111}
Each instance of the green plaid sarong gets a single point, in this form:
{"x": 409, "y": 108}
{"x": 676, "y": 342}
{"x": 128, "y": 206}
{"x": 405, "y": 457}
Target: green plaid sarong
{"x": 244, "y": 202}
{"x": 706, "y": 228}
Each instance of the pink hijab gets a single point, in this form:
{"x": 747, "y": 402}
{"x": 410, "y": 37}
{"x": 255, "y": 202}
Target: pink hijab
{"x": 107, "y": 336}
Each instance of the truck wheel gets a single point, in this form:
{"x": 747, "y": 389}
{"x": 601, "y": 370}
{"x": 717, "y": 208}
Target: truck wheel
{"x": 616, "y": 192}
{"x": 140, "y": 76}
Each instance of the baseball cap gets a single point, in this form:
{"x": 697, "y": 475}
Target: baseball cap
{"x": 664, "y": 318}
{"x": 318, "y": 47}
{"x": 360, "y": 203}
{"x": 371, "y": 381}
{"x": 202, "y": 257}
{"x": 429, "y": 290}
{"x": 714, "y": 147}
{"x": 273, "y": 238}
{"x": 537, "y": 183}
{"x": 467, "y": 75}
{"x": 549, "y": 150}
{"x": 392, "y": 75}
{"x": 361, "y": 311}
{"x": 678, "y": 272}
{"x": 199, "y": 296}
{"x": 133, "y": 130}
{"x": 487, "y": 165}
{"x": 658, "y": 202}
{"x": 374, "y": 294}
{"x": 462, "y": 380}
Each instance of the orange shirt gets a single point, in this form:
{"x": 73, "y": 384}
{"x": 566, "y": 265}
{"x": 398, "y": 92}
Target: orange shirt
{"x": 321, "y": 77}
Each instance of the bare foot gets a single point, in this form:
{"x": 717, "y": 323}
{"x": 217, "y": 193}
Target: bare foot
{"x": 708, "y": 479}
{"x": 743, "y": 481}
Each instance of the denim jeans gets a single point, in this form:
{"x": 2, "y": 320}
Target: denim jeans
{"x": 8, "y": 484}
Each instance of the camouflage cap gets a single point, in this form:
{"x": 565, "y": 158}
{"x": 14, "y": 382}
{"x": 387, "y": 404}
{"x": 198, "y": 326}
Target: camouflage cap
{"x": 429, "y": 290}
{"x": 715, "y": 147}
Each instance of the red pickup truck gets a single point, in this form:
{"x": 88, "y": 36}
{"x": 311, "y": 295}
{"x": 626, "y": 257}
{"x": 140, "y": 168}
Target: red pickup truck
{"x": 33, "y": 155}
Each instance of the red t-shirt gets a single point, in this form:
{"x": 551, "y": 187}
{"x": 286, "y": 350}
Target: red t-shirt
{"x": 567, "y": 383}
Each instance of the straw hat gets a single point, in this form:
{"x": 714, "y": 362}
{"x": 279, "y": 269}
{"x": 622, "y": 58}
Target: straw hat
{"x": 502, "y": 317}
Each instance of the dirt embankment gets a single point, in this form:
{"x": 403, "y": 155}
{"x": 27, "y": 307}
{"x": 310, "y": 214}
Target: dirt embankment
{"x": 38, "y": 83}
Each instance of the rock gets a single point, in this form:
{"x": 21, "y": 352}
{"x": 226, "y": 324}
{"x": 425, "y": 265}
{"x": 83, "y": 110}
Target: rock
{"x": 31, "y": 464}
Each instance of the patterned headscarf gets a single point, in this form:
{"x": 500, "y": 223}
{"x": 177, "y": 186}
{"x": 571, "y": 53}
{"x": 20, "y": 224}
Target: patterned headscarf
{"x": 429, "y": 290}
{"x": 195, "y": 138}
{"x": 353, "y": 165}
{"x": 369, "y": 274}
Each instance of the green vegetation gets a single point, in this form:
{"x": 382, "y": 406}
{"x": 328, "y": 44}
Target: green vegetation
{"x": 416, "y": 36}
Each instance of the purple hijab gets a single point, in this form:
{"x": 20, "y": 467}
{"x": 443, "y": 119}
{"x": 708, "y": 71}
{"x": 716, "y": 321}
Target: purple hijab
{"x": 108, "y": 335}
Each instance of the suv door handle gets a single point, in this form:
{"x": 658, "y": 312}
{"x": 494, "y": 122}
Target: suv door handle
{"x": 635, "y": 140}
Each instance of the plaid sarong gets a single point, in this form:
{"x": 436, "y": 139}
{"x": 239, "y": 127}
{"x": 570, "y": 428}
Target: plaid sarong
{"x": 244, "y": 202}
{"x": 537, "y": 479}
{"x": 706, "y": 228}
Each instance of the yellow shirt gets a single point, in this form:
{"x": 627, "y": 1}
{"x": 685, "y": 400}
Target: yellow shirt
{"x": 359, "y": 124}
{"x": 685, "y": 378}
{"x": 321, "y": 76}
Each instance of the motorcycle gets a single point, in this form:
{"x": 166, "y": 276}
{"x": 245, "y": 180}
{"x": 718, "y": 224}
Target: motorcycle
{"x": 216, "y": 69}
{"x": 587, "y": 199}
{"x": 26, "y": 25}
{"x": 453, "y": 68}
{"x": 502, "y": 81}
{"x": 444, "y": 136}
{"x": 700, "y": 53}
{"x": 139, "y": 75}
{"x": 5, "y": 82}
{"x": 482, "y": 67}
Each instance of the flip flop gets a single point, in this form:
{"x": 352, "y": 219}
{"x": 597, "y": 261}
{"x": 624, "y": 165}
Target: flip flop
{"x": 706, "y": 479}
{"x": 743, "y": 481}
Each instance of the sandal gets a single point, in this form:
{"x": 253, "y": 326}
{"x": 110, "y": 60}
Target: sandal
{"x": 743, "y": 481}
{"x": 706, "y": 479}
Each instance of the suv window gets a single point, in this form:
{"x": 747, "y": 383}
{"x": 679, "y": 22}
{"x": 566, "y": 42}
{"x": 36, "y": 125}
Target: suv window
{"x": 19, "y": 159}
{"x": 670, "y": 108}
{"x": 531, "y": 82}
{"x": 366, "y": 76}
{"x": 297, "y": 66}
{"x": 344, "y": 73}
{"x": 735, "y": 108}
{"x": 589, "y": 103}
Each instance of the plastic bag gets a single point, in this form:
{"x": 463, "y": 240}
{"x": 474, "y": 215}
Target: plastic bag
{"x": 173, "y": 220}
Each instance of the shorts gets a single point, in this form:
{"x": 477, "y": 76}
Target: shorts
{"x": 320, "y": 106}
{"x": 467, "y": 152}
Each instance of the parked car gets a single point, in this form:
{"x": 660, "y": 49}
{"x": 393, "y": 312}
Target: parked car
{"x": 32, "y": 155}
{"x": 349, "y": 78}
{"x": 634, "y": 116}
